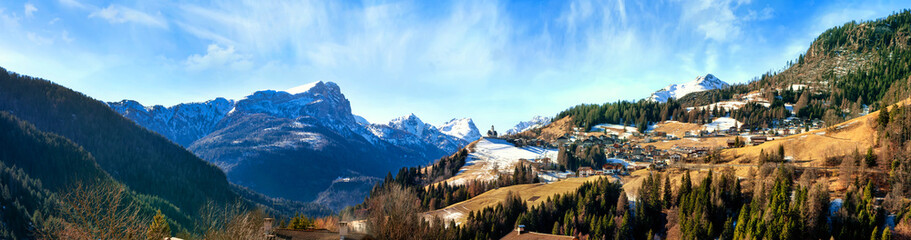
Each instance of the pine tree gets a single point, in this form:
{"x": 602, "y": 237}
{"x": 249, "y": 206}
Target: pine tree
{"x": 870, "y": 158}
{"x": 159, "y": 229}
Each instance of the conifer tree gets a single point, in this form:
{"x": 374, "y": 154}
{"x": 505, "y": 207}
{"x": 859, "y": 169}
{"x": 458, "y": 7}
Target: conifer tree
{"x": 159, "y": 229}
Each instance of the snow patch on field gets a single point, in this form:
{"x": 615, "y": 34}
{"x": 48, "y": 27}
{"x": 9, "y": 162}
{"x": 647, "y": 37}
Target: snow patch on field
{"x": 614, "y": 127}
{"x": 722, "y": 123}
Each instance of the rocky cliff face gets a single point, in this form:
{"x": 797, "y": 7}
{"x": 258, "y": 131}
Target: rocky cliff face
{"x": 182, "y": 123}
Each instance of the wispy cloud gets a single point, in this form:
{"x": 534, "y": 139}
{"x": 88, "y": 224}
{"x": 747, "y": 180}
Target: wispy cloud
{"x": 30, "y": 9}
{"x": 497, "y": 61}
{"x": 217, "y": 56}
{"x": 120, "y": 14}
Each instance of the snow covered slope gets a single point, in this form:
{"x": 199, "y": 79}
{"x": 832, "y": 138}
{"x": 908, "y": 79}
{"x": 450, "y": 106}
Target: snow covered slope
{"x": 495, "y": 154}
{"x": 183, "y": 123}
{"x": 722, "y": 123}
{"x": 535, "y": 122}
{"x": 463, "y": 128}
{"x": 676, "y": 91}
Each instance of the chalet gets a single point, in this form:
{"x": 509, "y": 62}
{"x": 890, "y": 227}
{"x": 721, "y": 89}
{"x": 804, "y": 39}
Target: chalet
{"x": 612, "y": 168}
{"x": 676, "y": 157}
{"x": 521, "y": 234}
{"x": 657, "y": 166}
{"x": 588, "y": 142}
{"x": 586, "y": 171}
{"x": 756, "y": 140}
{"x": 732, "y": 143}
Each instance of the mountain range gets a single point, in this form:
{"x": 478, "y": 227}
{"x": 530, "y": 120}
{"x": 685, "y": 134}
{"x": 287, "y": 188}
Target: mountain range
{"x": 677, "y": 91}
{"x": 297, "y": 143}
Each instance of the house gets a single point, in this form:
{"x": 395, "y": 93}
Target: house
{"x": 659, "y": 134}
{"x": 732, "y": 143}
{"x": 756, "y": 140}
{"x": 562, "y": 140}
{"x": 586, "y": 171}
{"x": 521, "y": 234}
{"x": 612, "y": 168}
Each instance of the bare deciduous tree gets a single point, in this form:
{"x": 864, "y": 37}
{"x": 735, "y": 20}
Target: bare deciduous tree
{"x": 394, "y": 215}
{"x": 99, "y": 211}
{"x": 234, "y": 221}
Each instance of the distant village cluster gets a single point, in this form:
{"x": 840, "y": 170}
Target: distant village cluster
{"x": 627, "y": 151}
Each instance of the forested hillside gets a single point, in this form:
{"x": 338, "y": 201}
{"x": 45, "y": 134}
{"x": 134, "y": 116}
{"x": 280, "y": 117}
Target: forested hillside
{"x": 59, "y": 138}
{"x": 144, "y": 161}
{"x": 39, "y": 170}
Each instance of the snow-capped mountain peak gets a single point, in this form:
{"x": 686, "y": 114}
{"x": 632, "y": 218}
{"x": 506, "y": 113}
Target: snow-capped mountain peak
{"x": 462, "y": 128}
{"x": 535, "y": 122}
{"x": 676, "y": 91}
{"x": 411, "y": 124}
{"x": 321, "y": 100}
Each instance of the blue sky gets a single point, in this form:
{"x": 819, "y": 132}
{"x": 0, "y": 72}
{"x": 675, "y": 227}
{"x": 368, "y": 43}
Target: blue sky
{"x": 497, "y": 62}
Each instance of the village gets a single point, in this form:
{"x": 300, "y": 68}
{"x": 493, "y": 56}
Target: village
{"x": 627, "y": 150}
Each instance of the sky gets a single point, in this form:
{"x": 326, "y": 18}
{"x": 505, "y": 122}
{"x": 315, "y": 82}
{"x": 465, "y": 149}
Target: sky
{"x": 498, "y": 62}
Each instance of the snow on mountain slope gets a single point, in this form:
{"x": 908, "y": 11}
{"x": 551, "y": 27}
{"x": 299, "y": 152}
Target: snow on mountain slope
{"x": 411, "y": 124}
{"x": 462, "y": 128}
{"x": 182, "y": 123}
{"x": 535, "y": 122}
{"x": 676, "y": 91}
{"x": 361, "y": 120}
{"x": 420, "y": 133}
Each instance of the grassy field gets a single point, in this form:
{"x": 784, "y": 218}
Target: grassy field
{"x": 812, "y": 148}
{"x": 676, "y": 128}
{"x": 532, "y": 193}
{"x": 709, "y": 142}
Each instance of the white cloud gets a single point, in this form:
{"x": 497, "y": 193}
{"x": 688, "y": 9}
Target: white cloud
{"x": 38, "y": 39}
{"x": 30, "y": 9}
{"x": 218, "y": 57}
{"x": 721, "y": 20}
{"x": 120, "y": 14}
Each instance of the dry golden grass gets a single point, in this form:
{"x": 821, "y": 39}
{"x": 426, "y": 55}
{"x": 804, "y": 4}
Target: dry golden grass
{"x": 675, "y": 128}
{"x": 812, "y": 148}
{"x": 709, "y": 142}
{"x": 556, "y": 129}
{"x": 539, "y": 191}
